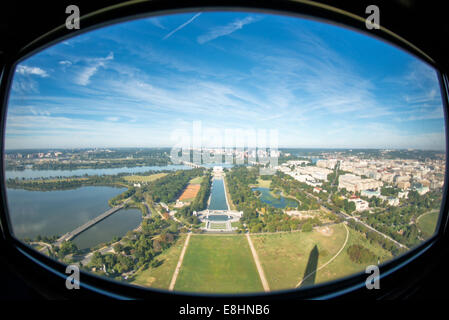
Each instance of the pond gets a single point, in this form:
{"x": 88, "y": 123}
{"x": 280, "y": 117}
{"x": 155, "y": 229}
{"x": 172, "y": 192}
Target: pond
{"x": 218, "y": 217}
{"x": 277, "y": 202}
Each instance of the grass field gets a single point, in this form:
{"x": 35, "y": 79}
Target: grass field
{"x": 343, "y": 266}
{"x": 285, "y": 257}
{"x": 160, "y": 276}
{"x": 136, "y": 178}
{"x": 196, "y": 180}
{"x": 263, "y": 183}
{"x": 220, "y": 264}
{"x": 428, "y": 222}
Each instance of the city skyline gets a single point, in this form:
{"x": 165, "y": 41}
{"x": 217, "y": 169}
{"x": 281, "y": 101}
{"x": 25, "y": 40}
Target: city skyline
{"x": 134, "y": 84}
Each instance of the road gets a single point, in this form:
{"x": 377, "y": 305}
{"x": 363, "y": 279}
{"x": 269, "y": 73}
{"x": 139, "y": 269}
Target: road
{"x": 72, "y": 234}
{"x": 347, "y": 217}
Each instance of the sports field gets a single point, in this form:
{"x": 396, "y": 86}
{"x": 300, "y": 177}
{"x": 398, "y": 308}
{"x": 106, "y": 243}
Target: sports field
{"x": 190, "y": 192}
{"x": 219, "y": 264}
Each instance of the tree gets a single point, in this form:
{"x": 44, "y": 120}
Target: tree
{"x": 68, "y": 247}
{"x": 307, "y": 227}
{"x": 118, "y": 248}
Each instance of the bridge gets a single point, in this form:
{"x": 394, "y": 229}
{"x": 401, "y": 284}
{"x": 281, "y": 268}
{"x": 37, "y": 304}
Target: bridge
{"x": 72, "y": 234}
{"x": 191, "y": 164}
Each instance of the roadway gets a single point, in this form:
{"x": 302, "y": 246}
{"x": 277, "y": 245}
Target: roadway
{"x": 346, "y": 217}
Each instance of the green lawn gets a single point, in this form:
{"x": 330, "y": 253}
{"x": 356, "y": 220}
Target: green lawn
{"x": 263, "y": 183}
{"x": 196, "y": 180}
{"x": 136, "y": 178}
{"x": 220, "y": 264}
{"x": 343, "y": 266}
{"x": 161, "y": 276}
{"x": 427, "y": 223}
{"x": 285, "y": 256}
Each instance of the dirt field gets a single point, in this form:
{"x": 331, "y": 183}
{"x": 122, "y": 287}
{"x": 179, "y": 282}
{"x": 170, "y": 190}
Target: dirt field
{"x": 190, "y": 192}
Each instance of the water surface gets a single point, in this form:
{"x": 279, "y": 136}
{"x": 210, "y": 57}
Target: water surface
{"x": 49, "y": 213}
{"x": 218, "y": 197}
{"x": 276, "y": 202}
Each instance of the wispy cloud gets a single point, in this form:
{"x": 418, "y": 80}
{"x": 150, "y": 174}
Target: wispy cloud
{"x": 25, "y": 70}
{"x": 225, "y": 30}
{"x": 314, "y": 92}
{"x": 65, "y": 62}
{"x": 157, "y": 23}
{"x": 84, "y": 76}
{"x": 182, "y": 26}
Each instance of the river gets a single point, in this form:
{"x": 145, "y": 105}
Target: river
{"x": 49, "y": 213}
{"x": 29, "y": 173}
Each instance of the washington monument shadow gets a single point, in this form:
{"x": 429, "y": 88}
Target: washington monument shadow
{"x": 310, "y": 273}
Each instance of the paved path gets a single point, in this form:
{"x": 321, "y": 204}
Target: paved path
{"x": 332, "y": 259}
{"x": 178, "y": 266}
{"x": 72, "y": 234}
{"x": 266, "y": 288}
{"x": 425, "y": 214}
{"x": 45, "y": 246}
{"x": 347, "y": 217}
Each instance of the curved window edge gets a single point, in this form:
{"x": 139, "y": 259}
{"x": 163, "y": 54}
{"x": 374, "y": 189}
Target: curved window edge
{"x": 112, "y": 15}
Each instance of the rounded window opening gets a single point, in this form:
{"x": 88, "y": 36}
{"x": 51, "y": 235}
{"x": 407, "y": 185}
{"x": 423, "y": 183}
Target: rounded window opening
{"x": 224, "y": 152}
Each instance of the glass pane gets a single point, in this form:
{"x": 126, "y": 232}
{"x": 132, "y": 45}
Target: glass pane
{"x": 224, "y": 152}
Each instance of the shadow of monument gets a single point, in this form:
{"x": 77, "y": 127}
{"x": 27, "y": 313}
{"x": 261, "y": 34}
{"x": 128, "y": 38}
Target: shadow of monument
{"x": 310, "y": 273}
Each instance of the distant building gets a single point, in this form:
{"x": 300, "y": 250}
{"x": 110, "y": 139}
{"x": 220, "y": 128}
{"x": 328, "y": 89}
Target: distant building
{"x": 370, "y": 193}
{"x": 422, "y": 190}
{"x": 403, "y": 195}
{"x": 355, "y": 183}
{"x": 360, "y": 205}
{"x": 403, "y": 185}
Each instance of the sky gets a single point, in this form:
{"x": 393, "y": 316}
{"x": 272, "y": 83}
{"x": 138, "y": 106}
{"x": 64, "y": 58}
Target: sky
{"x": 148, "y": 82}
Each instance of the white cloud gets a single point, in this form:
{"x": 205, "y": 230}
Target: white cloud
{"x": 25, "y": 70}
{"x": 225, "y": 30}
{"x": 65, "y": 63}
{"x": 84, "y": 76}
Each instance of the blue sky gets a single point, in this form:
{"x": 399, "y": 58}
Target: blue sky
{"x": 136, "y": 83}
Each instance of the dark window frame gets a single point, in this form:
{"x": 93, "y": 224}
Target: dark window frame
{"x": 96, "y": 286}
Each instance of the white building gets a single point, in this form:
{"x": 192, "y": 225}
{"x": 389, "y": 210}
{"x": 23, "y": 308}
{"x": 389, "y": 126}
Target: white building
{"x": 355, "y": 183}
{"x": 360, "y": 205}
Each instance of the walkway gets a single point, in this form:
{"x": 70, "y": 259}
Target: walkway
{"x": 178, "y": 266}
{"x": 332, "y": 259}
{"x": 72, "y": 234}
{"x": 266, "y": 288}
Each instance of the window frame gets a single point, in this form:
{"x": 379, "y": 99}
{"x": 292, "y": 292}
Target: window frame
{"x": 97, "y": 286}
